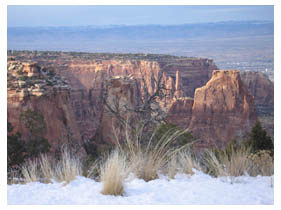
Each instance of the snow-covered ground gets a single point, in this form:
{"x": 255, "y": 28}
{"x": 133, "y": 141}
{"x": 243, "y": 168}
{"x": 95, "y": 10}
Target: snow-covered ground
{"x": 197, "y": 189}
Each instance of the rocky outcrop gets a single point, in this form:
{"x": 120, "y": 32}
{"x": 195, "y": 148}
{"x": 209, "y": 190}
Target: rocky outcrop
{"x": 180, "y": 112}
{"x": 220, "y": 110}
{"x": 262, "y": 89}
{"x": 87, "y": 72}
{"x": 121, "y": 98}
{"x": 32, "y": 88}
{"x": 223, "y": 109}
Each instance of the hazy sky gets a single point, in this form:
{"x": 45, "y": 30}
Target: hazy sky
{"x": 131, "y": 15}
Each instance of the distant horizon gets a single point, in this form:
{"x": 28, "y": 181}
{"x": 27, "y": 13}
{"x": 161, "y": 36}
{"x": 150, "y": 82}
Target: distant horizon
{"x": 67, "y": 16}
{"x": 129, "y": 25}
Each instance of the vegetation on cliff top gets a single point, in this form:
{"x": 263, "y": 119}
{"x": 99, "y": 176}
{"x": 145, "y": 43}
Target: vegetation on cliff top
{"x": 23, "y": 54}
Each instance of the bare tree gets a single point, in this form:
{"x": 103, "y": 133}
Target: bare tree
{"x": 146, "y": 112}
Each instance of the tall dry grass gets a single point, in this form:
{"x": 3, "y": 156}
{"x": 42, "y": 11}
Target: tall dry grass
{"x": 147, "y": 160}
{"x": 172, "y": 167}
{"x": 213, "y": 164}
{"x": 184, "y": 161}
{"x": 68, "y": 168}
{"x": 187, "y": 162}
{"x": 261, "y": 164}
{"x": 113, "y": 172}
{"x": 14, "y": 176}
{"x": 44, "y": 170}
{"x": 93, "y": 170}
{"x": 233, "y": 161}
{"x": 31, "y": 171}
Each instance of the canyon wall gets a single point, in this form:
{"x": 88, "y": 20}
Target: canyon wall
{"x": 216, "y": 110}
{"x": 262, "y": 89}
{"x": 121, "y": 97}
{"x": 180, "y": 112}
{"x": 30, "y": 88}
{"x": 221, "y": 111}
{"x": 87, "y": 73}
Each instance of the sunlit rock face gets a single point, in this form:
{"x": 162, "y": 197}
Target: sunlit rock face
{"x": 87, "y": 73}
{"x": 32, "y": 88}
{"x": 223, "y": 109}
{"x": 215, "y": 105}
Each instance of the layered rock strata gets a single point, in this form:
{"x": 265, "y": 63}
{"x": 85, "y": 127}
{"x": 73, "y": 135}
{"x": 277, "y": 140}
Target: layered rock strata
{"x": 223, "y": 109}
{"x": 262, "y": 89}
{"x": 180, "y": 112}
{"x": 32, "y": 88}
{"x": 87, "y": 72}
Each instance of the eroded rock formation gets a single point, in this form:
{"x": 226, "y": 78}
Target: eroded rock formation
{"x": 220, "y": 111}
{"x": 121, "y": 97}
{"x": 30, "y": 88}
{"x": 180, "y": 112}
{"x": 87, "y": 72}
{"x": 223, "y": 109}
{"x": 262, "y": 89}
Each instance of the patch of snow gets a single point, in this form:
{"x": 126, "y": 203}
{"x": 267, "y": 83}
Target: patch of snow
{"x": 184, "y": 189}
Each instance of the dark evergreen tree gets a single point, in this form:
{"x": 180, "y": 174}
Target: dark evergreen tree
{"x": 259, "y": 140}
{"x": 16, "y": 152}
{"x": 35, "y": 123}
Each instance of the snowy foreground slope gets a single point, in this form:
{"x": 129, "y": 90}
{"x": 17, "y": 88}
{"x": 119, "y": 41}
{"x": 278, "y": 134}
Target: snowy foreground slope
{"x": 197, "y": 189}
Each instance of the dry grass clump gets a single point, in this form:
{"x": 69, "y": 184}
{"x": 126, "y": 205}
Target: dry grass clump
{"x": 68, "y": 167}
{"x": 232, "y": 161}
{"x": 261, "y": 163}
{"x": 44, "y": 170}
{"x": 93, "y": 170}
{"x": 113, "y": 172}
{"x": 182, "y": 162}
{"x": 13, "y": 176}
{"x": 148, "y": 160}
{"x": 187, "y": 162}
{"x": 172, "y": 167}
{"x": 31, "y": 171}
{"x": 213, "y": 164}
{"x": 237, "y": 160}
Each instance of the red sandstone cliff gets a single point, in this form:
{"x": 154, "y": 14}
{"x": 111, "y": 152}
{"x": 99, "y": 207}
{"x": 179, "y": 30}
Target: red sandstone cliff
{"x": 223, "y": 109}
{"x": 86, "y": 77}
{"x": 121, "y": 97}
{"x": 262, "y": 89}
{"x": 180, "y": 112}
{"x": 29, "y": 88}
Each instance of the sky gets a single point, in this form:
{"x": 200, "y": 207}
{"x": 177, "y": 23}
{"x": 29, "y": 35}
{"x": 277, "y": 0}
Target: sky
{"x": 31, "y": 16}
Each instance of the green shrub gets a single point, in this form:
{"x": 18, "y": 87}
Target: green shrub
{"x": 261, "y": 163}
{"x": 37, "y": 146}
{"x": 19, "y": 72}
{"x": 24, "y": 78}
{"x": 168, "y": 129}
{"x": 16, "y": 152}
{"x": 35, "y": 123}
{"x": 259, "y": 140}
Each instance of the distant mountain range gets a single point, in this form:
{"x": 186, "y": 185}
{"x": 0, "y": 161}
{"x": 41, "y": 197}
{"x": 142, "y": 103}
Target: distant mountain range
{"x": 232, "y": 44}
{"x": 141, "y": 32}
